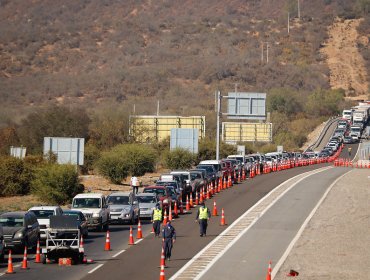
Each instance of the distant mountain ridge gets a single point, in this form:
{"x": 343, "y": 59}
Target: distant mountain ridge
{"x": 92, "y": 52}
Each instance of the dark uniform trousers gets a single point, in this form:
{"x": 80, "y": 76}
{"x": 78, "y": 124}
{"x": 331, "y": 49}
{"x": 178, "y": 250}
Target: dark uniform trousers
{"x": 203, "y": 223}
{"x": 168, "y": 235}
{"x": 157, "y": 227}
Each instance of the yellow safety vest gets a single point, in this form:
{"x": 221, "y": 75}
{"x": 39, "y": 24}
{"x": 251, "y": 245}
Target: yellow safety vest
{"x": 203, "y": 213}
{"x": 157, "y": 215}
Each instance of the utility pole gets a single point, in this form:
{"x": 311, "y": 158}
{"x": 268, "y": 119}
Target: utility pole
{"x": 288, "y": 22}
{"x": 158, "y": 108}
{"x": 218, "y": 125}
{"x": 134, "y": 109}
{"x": 299, "y": 10}
{"x": 267, "y": 52}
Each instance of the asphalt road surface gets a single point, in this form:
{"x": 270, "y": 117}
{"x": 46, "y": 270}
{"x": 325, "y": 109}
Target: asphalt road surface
{"x": 141, "y": 261}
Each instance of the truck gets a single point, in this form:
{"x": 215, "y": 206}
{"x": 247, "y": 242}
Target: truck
{"x": 347, "y": 114}
{"x": 355, "y": 133}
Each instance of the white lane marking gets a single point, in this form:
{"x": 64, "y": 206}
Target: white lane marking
{"x": 120, "y": 252}
{"x": 300, "y": 231}
{"x": 96, "y": 268}
{"x": 1, "y": 274}
{"x": 222, "y": 234}
{"x": 17, "y": 265}
{"x": 139, "y": 240}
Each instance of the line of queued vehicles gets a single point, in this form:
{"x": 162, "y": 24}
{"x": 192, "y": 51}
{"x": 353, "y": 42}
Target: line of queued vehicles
{"x": 60, "y": 230}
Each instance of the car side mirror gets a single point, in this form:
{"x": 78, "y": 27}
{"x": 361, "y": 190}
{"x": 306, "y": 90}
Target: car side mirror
{"x": 135, "y": 202}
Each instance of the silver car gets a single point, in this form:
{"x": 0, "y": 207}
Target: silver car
{"x": 124, "y": 208}
{"x": 147, "y": 203}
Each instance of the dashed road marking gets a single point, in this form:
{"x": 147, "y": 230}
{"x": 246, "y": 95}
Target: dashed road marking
{"x": 96, "y": 268}
{"x": 120, "y": 252}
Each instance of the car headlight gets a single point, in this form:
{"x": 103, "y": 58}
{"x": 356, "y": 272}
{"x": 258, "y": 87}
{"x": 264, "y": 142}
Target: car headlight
{"x": 19, "y": 234}
{"x": 96, "y": 215}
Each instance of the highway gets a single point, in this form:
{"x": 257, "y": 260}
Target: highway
{"x": 141, "y": 261}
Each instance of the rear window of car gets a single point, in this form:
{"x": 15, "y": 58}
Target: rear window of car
{"x": 43, "y": 214}
{"x": 118, "y": 200}
{"x": 156, "y": 191}
{"x": 11, "y": 221}
{"x": 146, "y": 199}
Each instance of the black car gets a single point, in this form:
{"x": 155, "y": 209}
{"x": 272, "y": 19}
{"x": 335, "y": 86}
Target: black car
{"x": 211, "y": 172}
{"x": 20, "y": 229}
{"x": 81, "y": 220}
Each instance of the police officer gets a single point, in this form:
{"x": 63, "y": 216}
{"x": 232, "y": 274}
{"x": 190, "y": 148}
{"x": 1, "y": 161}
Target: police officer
{"x": 157, "y": 220}
{"x": 203, "y": 215}
{"x": 169, "y": 237}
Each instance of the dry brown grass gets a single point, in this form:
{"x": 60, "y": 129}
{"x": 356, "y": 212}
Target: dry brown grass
{"x": 18, "y": 203}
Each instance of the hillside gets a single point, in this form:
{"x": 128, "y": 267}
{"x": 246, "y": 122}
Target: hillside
{"x": 347, "y": 66}
{"x": 93, "y": 52}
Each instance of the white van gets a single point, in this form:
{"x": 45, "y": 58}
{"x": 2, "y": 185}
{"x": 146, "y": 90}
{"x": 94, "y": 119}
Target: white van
{"x": 219, "y": 166}
{"x": 95, "y": 209}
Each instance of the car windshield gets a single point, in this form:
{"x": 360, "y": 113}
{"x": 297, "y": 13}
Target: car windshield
{"x": 43, "y": 214}
{"x": 194, "y": 176}
{"x": 146, "y": 199}
{"x": 160, "y": 192}
{"x": 355, "y": 129}
{"x": 86, "y": 202}
{"x": 118, "y": 199}
{"x": 208, "y": 168}
{"x": 11, "y": 221}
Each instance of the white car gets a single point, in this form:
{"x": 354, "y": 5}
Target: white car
{"x": 95, "y": 209}
{"x": 43, "y": 214}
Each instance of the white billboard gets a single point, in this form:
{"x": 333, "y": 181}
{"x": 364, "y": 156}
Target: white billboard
{"x": 185, "y": 138}
{"x": 67, "y": 150}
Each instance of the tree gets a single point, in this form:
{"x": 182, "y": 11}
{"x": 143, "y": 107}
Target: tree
{"x": 54, "y": 121}
{"x": 178, "y": 159}
{"x": 15, "y": 176}
{"x": 56, "y": 184}
{"x": 113, "y": 166}
{"x": 325, "y": 102}
{"x": 8, "y": 138}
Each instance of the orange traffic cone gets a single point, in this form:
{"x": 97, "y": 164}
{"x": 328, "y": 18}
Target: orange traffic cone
{"x": 201, "y": 197}
{"x": 81, "y": 248}
{"x": 170, "y": 213}
{"x": 181, "y": 208}
{"x": 175, "y": 210}
{"x": 268, "y": 276}
{"x": 107, "y": 242}
{"x": 187, "y": 204}
{"x": 38, "y": 255}
{"x": 208, "y": 193}
{"x": 161, "y": 275}
{"x": 230, "y": 183}
{"x": 24, "y": 263}
{"x": 191, "y": 200}
{"x": 163, "y": 259}
{"x": 196, "y": 198}
{"x": 10, "y": 264}
{"x": 223, "y": 222}
{"x": 165, "y": 217}
{"x": 214, "y": 209}
{"x": 139, "y": 232}
{"x": 131, "y": 240}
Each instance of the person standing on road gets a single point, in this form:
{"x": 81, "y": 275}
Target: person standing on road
{"x": 203, "y": 216}
{"x": 157, "y": 220}
{"x": 349, "y": 151}
{"x": 134, "y": 184}
{"x": 169, "y": 237}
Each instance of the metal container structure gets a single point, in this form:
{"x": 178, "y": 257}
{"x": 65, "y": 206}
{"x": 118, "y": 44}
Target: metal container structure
{"x": 234, "y": 132}
{"x": 185, "y": 138}
{"x": 18, "y": 152}
{"x": 149, "y": 129}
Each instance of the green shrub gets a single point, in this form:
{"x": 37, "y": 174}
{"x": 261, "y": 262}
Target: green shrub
{"x": 178, "y": 159}
{"x": 92, "y": 155}
{"x": 122, "y": 160}
{"x": 139, "y": 158}
{"x": 15, "y": 176}
{"x": 113, "y": 166}
{"x": 56, "y": 184}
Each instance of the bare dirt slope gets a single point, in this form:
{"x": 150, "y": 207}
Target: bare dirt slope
{"x": 347, "y": 66}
